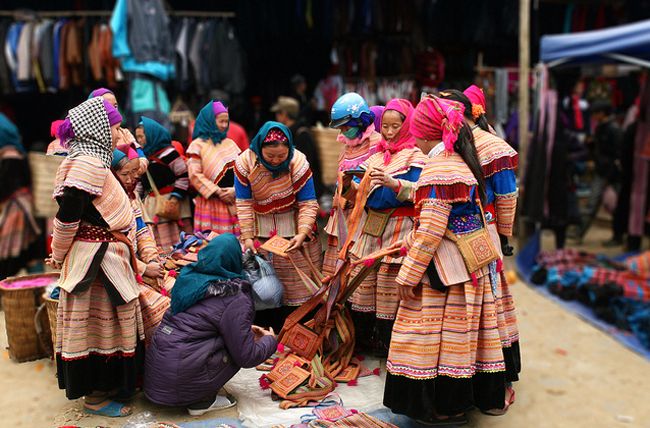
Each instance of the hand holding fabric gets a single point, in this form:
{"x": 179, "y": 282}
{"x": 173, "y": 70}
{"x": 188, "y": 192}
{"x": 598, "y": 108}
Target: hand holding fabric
{"x": 296, "y": 242}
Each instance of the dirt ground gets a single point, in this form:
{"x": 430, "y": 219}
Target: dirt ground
{"x": 573, "y": 375}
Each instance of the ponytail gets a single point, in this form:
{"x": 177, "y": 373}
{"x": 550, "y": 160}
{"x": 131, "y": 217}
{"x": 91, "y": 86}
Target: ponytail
{"x": 458, "y": 96}
{"x": 465, "y": 147}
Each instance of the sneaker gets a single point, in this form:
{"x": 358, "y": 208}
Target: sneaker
{"x": 220, "y": 403}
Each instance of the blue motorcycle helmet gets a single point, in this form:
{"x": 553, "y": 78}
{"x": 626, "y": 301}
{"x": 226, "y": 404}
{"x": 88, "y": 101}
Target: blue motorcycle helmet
{"x": 351, "y": 110}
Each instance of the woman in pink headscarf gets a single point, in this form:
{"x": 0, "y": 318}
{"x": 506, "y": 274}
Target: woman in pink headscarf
{"x": 445, "y": 355}
{"x": 394, "y": 170}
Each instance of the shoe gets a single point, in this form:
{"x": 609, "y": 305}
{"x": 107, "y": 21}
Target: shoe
{"x": 508, "y": 402}
{"x": 112, "y": 410}
{"x": 450, "y": 421}
{"x": 220, "y": 403}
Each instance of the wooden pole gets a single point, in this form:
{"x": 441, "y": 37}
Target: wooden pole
{"x": 524, "y": 110}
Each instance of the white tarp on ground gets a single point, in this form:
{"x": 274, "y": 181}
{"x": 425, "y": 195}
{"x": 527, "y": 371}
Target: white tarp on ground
{"x": 257, "y": 410}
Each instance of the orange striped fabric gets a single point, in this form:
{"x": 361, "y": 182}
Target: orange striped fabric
{"x": 85, "y": 173}
{"x": 207, "y": 163}
{"x": 87, "y": 323}
{"x": 153, "y": 306}
{"x": 453, "y": 334}
{"x": 506, "y": 208}
{"x": 272, "y": 196}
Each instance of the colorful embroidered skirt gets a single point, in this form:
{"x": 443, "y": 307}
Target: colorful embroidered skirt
{"x": 154, "y": 305}
{"x": 446, "y": 345}
{"x": 212, "y": 214}
{"x": 295, "y": 290}
{"x": 18, "y": 233}
{"x": 99, "y": 346}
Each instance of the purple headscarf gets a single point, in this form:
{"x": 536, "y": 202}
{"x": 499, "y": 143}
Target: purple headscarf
{"x": 378, "y": 111}
{"x": 99, "y": 92}
{"x": 218, "y": 108}
{"x": 114, "y": 116}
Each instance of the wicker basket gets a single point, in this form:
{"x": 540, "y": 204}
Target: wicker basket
{"x": 20, "y": 307}
{"x": 329, "y": 150}
{"x": 43, "y": 170}
{"x": 51, "y": 305}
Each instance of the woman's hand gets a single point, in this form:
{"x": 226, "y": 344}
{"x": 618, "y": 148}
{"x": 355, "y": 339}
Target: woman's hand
{"x": 380, "y": 178}
{"x": 249, "y": 244}
{"x": 260, "y": 332}
{"x": 296, "y": 242}
{"x": 228, "y": 195}
{"x": 53, "y": 263}
{"x": 405, "y": 292}
{"x": 154, "y": 270}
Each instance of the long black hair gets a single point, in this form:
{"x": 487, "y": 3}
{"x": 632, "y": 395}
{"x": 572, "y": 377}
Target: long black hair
{"x": 456, "y": 95}
{"x": 465, "y": 147}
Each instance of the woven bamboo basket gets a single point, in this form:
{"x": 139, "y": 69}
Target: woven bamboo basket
{"x": 20, "y": 306}
{"x": 43, "y": 170}
{"x": 329, "y": 150}
{"x": 51, "y": 305}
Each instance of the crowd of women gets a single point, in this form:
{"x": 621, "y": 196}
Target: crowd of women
{"x": 442, "y": 191}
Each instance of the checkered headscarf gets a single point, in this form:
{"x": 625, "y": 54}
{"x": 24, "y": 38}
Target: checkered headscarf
{"x": 92, "y": 132}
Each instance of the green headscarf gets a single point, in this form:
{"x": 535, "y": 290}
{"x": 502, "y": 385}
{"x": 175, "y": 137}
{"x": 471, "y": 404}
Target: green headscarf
{"x": 158, "y": 137}
{"x": 9, "y": 135}
{"x": 256, "y": 146}
{"x": 206, "y": 127}
{"x": 220, "y": 260}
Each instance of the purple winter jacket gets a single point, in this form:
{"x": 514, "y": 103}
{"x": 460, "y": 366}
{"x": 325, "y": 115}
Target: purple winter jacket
{"x": 195, "y": 352}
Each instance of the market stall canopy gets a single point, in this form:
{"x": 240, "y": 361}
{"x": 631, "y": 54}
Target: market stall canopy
{"x": 626, "y": 43}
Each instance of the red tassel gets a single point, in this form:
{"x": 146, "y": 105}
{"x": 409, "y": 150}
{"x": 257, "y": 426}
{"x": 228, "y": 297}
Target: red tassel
{"x": 156, "y": 219}
{"x": 353, "y": 382}
{"x": 164, "y": 292}
{"x": 354, "y": 411}
{"x": 499, "y": 265}
{"x": 403, "y": 251}
{"x": 368, "y": 262}
{"x": 139, "y": 279}
{"x": 376, "y": 371}
{"x": 275, "y": 360}
{"x": 257, "y": 244}
{"x": 281, "y": 348}
{"x": 181, "y": 223}
{"x": 332, "y": 211}
{"x": 297, "y": 364}
{"x": 474, "y": 280}
{"x": 264, "y": 382}
{"x": 172, "y": 273}
{"x": 273, "y": 233}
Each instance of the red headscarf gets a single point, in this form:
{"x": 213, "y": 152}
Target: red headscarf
{"x": 476, "y": 96}
{"x": 437, "y": 119}
{"x": 403, "y": 139}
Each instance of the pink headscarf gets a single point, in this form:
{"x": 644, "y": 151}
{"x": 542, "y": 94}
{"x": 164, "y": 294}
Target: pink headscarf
{"x": 128, "y": 149}
{"x": 404, "y": 139}
{"x": 476, "y": 96}
{"x": 437, "y": 119}
{"x": 54, "y": 128}
{"x": 218, "y": 108}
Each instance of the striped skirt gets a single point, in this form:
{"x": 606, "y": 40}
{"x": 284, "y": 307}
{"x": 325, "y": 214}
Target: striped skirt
{"x": 446, "y": 345}
{"x": 99, "y": 346}
{"x": 154, "y": 305}
{"x": 212, "y": 214}
{"x": 295, "y": 290}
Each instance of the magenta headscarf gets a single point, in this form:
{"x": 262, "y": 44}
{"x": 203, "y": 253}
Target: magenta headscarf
{"x": 437, "y": 119}
{"x": 404, "y": 139}
{"x": 476, "y": 96}
{"x": 218, "y": 108}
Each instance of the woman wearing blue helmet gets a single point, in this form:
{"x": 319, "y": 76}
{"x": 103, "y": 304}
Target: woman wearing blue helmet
{"x": 351, "y": 114}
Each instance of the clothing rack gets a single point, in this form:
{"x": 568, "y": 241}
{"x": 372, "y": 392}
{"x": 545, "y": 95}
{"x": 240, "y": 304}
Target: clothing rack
{"x": 105, "y": 13}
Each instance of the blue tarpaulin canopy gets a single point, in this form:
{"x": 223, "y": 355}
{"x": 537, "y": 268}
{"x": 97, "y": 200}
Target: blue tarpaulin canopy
{"x": 626, "y": 43}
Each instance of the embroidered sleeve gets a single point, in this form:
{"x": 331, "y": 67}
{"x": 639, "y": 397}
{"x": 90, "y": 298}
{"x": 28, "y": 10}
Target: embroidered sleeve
{"x": 201, "y": 183}
{"x": 426, "y": 238}
{"x": 307, "y": 207}
{"x": 146, "y": 245}
{"x": 245, "y": 212}
{"x": 505, "y": 200}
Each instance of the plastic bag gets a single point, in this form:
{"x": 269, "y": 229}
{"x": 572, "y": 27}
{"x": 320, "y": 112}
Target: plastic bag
{"x": 267, "y": 288}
